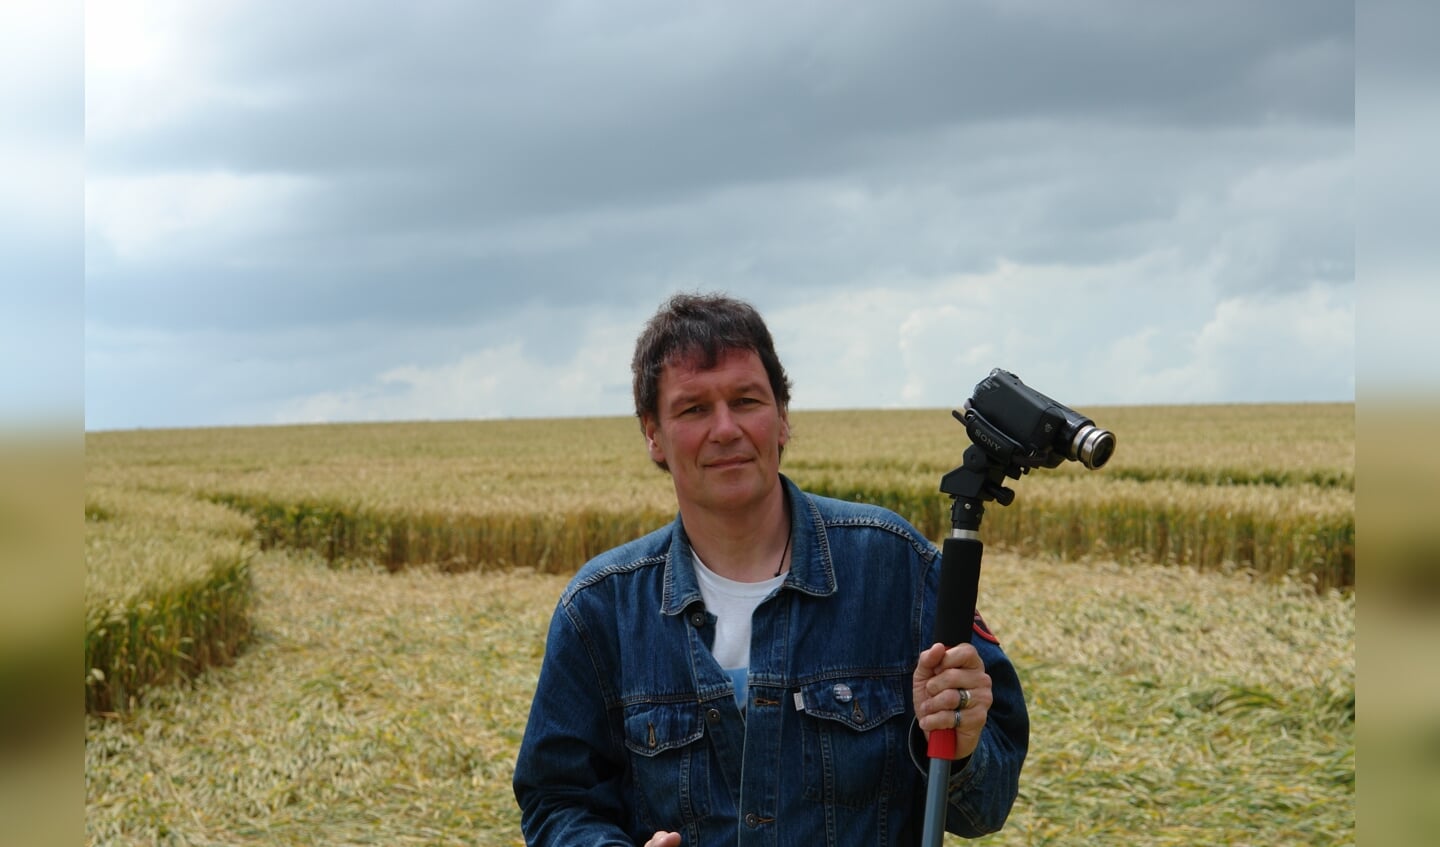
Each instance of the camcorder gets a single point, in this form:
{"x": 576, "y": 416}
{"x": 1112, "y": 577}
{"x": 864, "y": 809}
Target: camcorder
{"x": 1015, "y": 424}
{"x": 1014, "y": 429}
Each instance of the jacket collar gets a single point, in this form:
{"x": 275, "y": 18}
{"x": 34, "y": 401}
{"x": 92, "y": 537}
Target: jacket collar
{"x": 811, "y": 568}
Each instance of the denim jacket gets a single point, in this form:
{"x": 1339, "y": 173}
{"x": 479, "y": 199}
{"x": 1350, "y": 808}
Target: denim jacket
{"x": 635, "y": 727}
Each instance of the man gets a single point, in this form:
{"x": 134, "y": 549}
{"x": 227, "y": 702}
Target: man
{"x": 759, "y": 672}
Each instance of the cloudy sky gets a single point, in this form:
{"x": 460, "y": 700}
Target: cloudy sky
{"x": 336, "y": 211}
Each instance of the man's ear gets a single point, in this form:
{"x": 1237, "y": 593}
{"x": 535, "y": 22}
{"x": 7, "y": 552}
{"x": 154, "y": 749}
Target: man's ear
{"x": 784, "y": 428}
{"x": 657, "y": 453}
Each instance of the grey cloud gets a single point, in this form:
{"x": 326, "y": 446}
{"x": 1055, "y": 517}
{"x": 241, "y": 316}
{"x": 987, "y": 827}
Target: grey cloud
{"x": 466, "y": 165}
{"x": 473, "y": 117}
{"x": 613, "y": 103}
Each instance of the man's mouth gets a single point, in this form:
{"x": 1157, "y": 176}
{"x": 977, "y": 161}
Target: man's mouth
{"x": 733, "y": 461}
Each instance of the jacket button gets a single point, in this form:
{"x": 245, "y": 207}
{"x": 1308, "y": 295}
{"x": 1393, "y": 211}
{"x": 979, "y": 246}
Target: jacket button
{"x": 713, "y": 716}
{"x": 697, "y": 619}
{"x": 752, "y": 820}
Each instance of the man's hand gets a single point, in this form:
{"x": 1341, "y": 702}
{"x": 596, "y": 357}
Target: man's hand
{"x": 664, "y": 839}
{"x": 940, "y": 675}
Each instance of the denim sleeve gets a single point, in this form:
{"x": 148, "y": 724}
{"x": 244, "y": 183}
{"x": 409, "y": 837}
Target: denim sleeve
{"x": 569, "y": 771}
{"x": 984, "y": 789}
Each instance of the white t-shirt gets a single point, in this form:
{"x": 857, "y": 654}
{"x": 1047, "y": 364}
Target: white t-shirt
{"x": 733, "y": 604}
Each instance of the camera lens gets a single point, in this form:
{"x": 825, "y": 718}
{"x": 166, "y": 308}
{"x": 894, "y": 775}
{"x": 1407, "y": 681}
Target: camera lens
{"x": 1092, "y": 446}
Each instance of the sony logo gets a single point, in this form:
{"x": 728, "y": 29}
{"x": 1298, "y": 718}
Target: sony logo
{"x": 988, "y": 440}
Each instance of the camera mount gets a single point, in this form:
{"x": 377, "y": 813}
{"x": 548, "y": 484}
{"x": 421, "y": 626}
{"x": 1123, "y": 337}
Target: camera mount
{"x": 1012, "y": 429}
{"x": 980, "y": 479}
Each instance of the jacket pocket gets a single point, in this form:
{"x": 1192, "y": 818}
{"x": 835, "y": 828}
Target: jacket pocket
{"x": 669, "y": 762}
{"x": 853, "y": 737}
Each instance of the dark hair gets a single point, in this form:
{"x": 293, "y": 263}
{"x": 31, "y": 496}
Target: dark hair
{"x": 703, "y": 326}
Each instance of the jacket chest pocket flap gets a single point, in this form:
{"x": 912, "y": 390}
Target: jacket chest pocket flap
{"x": 655, "y": 728}
{"x": 861, "y": 703}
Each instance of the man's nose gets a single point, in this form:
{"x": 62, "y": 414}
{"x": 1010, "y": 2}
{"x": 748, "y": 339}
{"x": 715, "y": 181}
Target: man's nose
{"x": 726, "y": 428}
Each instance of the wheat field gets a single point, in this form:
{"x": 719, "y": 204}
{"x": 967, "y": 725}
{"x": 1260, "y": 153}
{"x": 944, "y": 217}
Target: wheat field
{"x": 331, "y": 632}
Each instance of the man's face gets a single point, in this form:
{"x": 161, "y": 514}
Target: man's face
{"x": 720, "y": 432}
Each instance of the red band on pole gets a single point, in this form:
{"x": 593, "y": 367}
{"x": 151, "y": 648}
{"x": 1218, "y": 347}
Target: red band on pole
{"x": 943, "y": 744}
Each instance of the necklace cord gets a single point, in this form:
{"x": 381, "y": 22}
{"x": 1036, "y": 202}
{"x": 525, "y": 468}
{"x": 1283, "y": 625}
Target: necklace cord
{"x": 781, "y": 566}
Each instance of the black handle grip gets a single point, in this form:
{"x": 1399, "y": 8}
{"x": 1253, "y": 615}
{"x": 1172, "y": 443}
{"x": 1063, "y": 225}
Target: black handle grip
{"x": 959, "y": 590}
